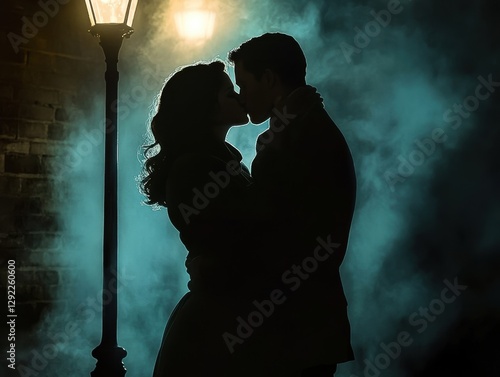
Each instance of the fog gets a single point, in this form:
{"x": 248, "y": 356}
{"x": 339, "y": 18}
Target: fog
{"x": 400, "y": 80}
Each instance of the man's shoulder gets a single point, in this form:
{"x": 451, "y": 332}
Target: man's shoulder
{"x": 319, "y": 118}
{"x": 318, "y": 125}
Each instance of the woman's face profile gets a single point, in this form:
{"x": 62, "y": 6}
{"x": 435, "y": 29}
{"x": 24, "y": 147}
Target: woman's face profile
{"x": 231, "y": 111}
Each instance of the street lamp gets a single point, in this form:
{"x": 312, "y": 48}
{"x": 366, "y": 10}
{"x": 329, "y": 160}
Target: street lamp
{"x": 111, "y": 21}
{"x": 194, "y": 22}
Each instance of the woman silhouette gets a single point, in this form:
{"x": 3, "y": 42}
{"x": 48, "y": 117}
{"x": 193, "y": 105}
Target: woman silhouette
{"x": 192, "y": 171}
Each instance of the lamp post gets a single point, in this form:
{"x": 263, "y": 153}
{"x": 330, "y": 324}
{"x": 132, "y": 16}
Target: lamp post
{"x": 111, "y": 21}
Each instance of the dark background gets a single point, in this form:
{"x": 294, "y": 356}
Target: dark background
{"x": 421, "y": 219}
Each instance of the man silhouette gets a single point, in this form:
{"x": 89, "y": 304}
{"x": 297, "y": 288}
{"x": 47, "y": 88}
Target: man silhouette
{"x": 304, "y": 167}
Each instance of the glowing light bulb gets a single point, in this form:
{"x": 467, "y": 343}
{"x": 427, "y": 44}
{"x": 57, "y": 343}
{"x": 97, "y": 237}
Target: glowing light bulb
{"x": 195, "y": 24}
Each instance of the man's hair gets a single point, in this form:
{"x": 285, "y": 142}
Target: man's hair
{"x": 278, "y": 52}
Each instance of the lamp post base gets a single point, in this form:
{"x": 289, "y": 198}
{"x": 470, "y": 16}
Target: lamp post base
{"x": 109, "y": 361}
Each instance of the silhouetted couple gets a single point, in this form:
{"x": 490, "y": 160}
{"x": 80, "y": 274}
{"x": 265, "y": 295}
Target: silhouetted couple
{"x": 264, "y": 247}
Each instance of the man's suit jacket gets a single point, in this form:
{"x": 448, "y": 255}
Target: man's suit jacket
{"x": 304, "y": 167}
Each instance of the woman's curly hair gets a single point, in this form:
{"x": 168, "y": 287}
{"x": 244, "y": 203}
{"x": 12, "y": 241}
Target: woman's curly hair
{"x": 186, "y": 109}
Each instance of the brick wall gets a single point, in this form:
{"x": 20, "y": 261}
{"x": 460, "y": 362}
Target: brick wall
{"x": 41, "y": 71}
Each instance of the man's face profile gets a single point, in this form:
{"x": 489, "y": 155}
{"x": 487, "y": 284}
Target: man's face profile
{"x": 254, "y": 94}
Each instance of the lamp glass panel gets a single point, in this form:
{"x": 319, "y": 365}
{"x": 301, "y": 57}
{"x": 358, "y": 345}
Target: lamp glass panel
{"x": 131, "y": 13}
{"x": 111, "y": 11}
{"x": 90, "y": 10}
